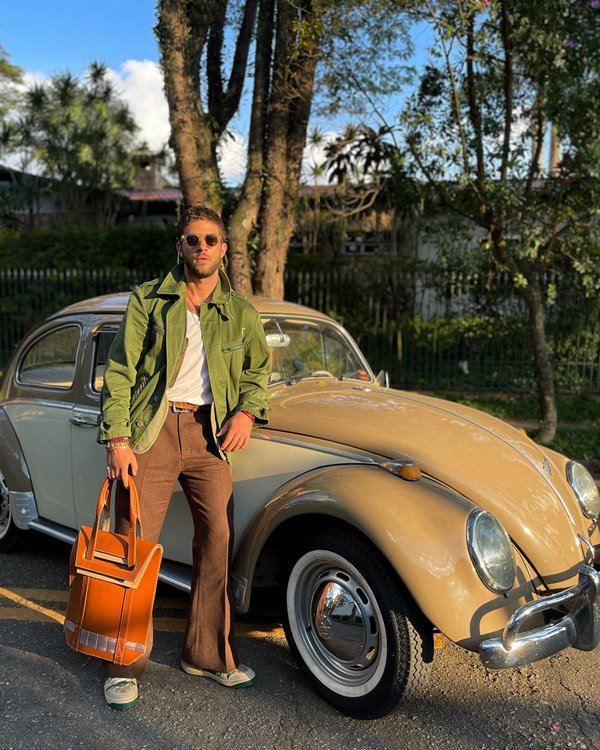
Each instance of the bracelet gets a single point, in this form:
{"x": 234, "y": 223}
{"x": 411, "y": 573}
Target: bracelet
{"x": 251, "y": 417}
{"x": 120, "y": 442}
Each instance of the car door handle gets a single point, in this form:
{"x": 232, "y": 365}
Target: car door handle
{"x": 81, "y": 422}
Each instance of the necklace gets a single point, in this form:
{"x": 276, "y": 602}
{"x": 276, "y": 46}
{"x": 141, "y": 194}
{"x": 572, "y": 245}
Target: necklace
{"x": 194, "y": 304}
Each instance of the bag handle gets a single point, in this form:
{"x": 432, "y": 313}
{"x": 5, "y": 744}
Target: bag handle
{"x": 103, "y": 520}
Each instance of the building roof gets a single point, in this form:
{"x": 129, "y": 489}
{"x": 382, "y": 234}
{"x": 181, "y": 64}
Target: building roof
{"x": 163, "y": 194}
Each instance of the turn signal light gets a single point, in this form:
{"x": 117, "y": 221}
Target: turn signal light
{"x": 409, "y": 470}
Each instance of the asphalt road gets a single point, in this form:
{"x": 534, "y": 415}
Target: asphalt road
{"x": 51, "y": 697}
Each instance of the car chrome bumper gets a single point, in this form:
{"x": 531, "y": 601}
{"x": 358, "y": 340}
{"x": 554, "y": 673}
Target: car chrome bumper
{"x": 579, "y": 628}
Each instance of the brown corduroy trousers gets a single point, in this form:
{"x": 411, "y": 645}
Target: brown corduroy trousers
{"x": 185, "y": 450}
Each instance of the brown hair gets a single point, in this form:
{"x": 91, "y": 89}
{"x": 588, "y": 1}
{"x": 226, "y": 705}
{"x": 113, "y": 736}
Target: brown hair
{"x": 193, "y": 213}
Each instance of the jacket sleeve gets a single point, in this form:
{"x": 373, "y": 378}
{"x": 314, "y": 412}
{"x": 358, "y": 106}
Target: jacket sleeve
{"x": 254, "y": 396}
{"x": 121, "y": 371}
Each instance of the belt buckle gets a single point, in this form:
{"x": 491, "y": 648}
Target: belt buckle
{"x": 187, "y": 409}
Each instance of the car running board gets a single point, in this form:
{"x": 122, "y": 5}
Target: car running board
{"x": 173, "y": 573}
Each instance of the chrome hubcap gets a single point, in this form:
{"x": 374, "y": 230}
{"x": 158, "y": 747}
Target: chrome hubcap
{"x": 340, "y": 621}
{"x": 4, "y": 506}
{"x": 336, "y": 622}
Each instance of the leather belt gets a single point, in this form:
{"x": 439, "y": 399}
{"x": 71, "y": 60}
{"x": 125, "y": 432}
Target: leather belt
{"x": 183, "y": 406}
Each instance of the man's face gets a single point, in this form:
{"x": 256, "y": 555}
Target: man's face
{"x": 201, "y": 260}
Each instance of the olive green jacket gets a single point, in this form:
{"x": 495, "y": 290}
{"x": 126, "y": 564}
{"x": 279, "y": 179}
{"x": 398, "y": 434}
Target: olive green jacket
{"x": 148, "y": 350}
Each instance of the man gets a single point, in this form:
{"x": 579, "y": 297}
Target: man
{"x": 186, "y": 379}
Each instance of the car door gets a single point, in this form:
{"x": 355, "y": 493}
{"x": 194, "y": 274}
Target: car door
{"x": 47, "y": 379}
{"x": 88, "y": 462}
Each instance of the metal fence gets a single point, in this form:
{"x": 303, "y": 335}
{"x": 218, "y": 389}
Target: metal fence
{"x": 428, "y": 329}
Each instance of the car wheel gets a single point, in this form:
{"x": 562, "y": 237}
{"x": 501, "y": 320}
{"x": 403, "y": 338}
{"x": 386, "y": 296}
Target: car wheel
{"x": 351, "y": 627}
{"x": 9, "y": 533}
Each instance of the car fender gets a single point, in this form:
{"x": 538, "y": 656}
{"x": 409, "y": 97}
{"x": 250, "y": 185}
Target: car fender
{"x": 16, "y": 474}
{"x": 12, "y": 461}
{"x": 419, "y": 527}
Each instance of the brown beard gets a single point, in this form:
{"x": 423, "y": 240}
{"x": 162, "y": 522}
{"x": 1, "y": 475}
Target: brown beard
{"x": 196, "y": 273}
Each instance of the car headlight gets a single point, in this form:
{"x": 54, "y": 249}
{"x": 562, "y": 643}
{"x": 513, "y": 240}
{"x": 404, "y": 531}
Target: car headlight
{"x": 491, "y": 551}
{"x": 585, "y": 489}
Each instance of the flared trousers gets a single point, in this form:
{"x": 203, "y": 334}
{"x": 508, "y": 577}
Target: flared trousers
{"x": 185, "y": 450}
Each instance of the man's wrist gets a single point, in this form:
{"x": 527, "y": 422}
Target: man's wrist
{"x": 250, "y": 416}
{"x": 117, "y": 443}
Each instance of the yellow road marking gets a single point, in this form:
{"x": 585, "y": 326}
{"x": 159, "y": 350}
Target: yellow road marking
{"x": 58, "y": 595}
{"x": 31, "y": 605}
{"x": 30, "y": 610}
{"x": 44, "y": 595}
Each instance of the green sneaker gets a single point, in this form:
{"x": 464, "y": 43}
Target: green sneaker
{"x": 240, "y": 677}
{"x": 120, "y": 692}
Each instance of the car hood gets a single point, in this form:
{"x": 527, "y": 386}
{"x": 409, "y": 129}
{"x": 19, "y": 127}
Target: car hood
{"x": 484, "y": 459}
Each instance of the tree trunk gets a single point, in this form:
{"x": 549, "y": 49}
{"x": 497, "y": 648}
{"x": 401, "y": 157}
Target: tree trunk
{"x": 191, "y": 134}
{"x": 532, "y": 294}
{"x": 245, "y": 215}
{"x": 296, "y": 52}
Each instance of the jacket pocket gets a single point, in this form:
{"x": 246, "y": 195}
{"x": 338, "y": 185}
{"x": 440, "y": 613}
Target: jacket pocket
{"x": 232, "y": 347}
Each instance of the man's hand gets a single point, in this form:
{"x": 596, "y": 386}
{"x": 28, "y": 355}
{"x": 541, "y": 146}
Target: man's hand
{"x": 235, "y": 432}
{"x": 120, "y": 464}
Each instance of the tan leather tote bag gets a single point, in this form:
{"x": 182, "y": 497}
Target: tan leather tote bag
{"x": 113, "y": 584}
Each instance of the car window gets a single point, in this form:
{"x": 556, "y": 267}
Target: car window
{"x": 103, "y": 340}
{"x": 50, "y": 361}
{"x": 301, "y": 348}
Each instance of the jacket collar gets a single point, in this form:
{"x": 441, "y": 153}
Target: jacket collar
{"x": 173, "y": 285}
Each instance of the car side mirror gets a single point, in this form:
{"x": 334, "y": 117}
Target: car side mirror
{"x": 383, "y": 378}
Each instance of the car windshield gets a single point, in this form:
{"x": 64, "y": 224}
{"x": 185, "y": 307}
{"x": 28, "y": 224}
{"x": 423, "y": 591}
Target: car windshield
{"x": 310, "y": 348}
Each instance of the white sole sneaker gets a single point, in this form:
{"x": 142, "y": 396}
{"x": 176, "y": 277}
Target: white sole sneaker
{"x": 121, "y": 692}
{"x": 241, "y": 677}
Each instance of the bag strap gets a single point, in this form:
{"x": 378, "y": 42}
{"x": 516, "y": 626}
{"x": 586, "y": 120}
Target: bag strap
{"x": 103, "y": 520}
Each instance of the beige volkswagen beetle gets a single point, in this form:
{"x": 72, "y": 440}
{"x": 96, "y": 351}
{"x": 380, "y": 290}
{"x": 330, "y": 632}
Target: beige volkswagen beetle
{"x": 379, "y": 517}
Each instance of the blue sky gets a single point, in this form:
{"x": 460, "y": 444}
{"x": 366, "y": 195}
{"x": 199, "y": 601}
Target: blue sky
{"x": 48, "y": 36}
{"x": 44, "y": 37}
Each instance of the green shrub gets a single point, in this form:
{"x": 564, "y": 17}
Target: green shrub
{"x": 120, "y": 247}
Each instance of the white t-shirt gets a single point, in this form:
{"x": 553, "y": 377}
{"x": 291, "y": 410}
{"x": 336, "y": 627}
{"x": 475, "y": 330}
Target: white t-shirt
{"x": 192, "y": 383}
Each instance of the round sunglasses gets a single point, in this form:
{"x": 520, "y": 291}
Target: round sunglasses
{"x": 194, "y": 239}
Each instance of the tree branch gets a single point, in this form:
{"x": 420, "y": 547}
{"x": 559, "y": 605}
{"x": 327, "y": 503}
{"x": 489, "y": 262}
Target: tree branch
{"x": 508, "y": 85}
{"x": 235, "y": 86}
{"x": 454, "y": 89}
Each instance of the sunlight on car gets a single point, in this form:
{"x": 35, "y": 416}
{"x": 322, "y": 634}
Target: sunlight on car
{"x": 302, "y": 349}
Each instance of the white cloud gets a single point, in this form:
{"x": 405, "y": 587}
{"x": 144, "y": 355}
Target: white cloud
{"x": 140, "y": 85}
{"x": 232, "y": 158}
{"x": 31, "y": 78}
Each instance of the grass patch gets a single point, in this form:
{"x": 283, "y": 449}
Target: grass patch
{"x": 581, "y": 443}
{"x": 581, "y": 409}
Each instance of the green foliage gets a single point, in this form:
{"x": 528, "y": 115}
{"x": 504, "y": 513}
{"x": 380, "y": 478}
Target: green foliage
{"x": 120, "y": 247}
{"x": 582, "y": 444}
{"x": 10, "y": 76}
{"x": 81, "y": 135}
{"x": 365, "y": 46}
{"x": 502, "y": 78}
{"x": 579, "y": 410}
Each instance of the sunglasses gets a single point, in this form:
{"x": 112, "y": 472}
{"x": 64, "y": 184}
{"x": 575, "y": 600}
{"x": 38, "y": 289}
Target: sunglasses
{"x": 194, "y": 239}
